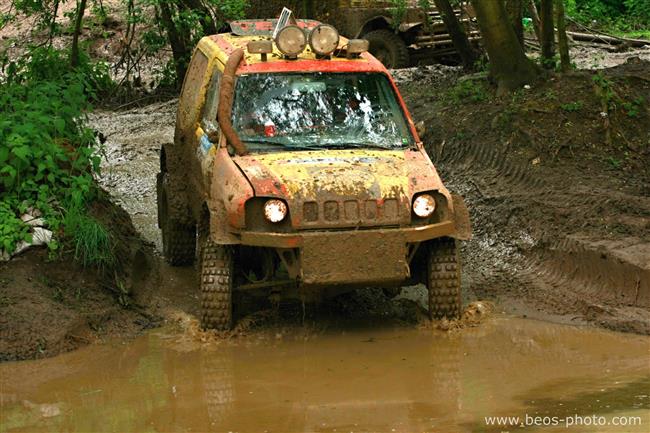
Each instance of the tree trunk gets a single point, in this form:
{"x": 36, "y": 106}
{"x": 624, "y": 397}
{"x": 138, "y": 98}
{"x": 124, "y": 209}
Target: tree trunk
{"x": 535, "y": 17}
{"x": 516, "y": 14}
{"x": 74, "y": 50}
{"x": 509, "y": 65}
{"x": 467, "y": 53}
{"x": 176, "y": 40}
{"x": 563, "y": 43}
{"x": 548, "y": 34}
{"x": 55, "y": 12}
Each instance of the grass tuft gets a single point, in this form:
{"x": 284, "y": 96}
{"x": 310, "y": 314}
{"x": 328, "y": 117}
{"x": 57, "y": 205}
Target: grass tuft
{"x": 93, "y": 244}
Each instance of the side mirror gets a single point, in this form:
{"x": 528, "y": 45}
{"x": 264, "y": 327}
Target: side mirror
{"x": 420, "y": 128}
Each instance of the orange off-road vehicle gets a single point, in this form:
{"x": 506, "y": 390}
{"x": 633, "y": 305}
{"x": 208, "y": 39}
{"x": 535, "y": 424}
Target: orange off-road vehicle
{"x": 296, "y": 171}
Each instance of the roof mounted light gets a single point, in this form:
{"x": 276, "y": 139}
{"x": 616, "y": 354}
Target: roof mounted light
{"x": 262, "y": 47}
{"x": 291, "y": 41}
{"x": 324, "y": 39}
{"x": 357, "y": 46}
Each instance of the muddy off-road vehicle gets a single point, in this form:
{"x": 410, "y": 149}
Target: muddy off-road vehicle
{"x": 296, "y": 171}
{"x": 399, "y": 36}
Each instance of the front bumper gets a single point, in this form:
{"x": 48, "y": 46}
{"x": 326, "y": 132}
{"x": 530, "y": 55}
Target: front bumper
{"x": 343, "y": 257}
{"x": 297, "y": 239}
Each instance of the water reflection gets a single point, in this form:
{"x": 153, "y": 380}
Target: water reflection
{"x": 400, "y": 379}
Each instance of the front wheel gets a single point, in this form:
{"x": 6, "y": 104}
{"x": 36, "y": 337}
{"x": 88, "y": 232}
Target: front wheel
{"x": 443, "y": 279}
{"x": 216, "y": 285}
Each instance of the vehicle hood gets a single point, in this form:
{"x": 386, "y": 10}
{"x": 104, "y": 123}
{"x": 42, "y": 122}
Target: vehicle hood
{"x": 344, "y": 177}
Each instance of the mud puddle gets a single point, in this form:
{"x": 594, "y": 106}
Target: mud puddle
{"x": 359, "y": 378}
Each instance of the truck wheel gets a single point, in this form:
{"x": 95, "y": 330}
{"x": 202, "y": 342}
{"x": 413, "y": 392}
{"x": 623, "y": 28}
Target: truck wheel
{"x": 216, "y": 285}
{"x": 179, "y": 240}
{"x": 443, "y": 279}
{"x": 388, "y": 47}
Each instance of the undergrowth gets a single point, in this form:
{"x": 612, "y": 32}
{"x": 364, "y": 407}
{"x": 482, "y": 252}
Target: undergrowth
{"x": 627, "y": 18}
{"x": 48, "y": 156}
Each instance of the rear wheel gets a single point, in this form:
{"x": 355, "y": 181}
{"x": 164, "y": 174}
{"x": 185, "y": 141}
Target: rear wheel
{"x": 388, "y": 47}
{"x": 216, "y": 285}
{"x": 443, "y": 279}
{"x": 179, "y": 240}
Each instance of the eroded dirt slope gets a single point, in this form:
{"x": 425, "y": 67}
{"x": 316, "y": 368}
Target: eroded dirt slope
{"x": 52, "y": 304}
{"x": 561, "y": 215}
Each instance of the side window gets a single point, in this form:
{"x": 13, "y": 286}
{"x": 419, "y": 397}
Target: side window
{"x": 209, "y": 117}
{"x": 193, "y": 86}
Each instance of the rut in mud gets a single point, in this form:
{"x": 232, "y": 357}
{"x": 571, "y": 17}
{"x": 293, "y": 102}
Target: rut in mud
{"x": 561, "y": 218}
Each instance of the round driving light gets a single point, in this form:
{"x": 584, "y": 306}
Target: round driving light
{"x": 275, "y": 210}
{"x": 424, "y": 205}
{"x": 324, "y": 39}
{"x": 291, "y": 41}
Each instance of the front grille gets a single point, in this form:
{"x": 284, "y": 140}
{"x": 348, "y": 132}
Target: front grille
{"x": 352, "y": 212}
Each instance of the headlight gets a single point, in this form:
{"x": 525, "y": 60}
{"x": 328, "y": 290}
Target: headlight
{"x": 324, "y": 39}
{"x": 424, "y": 205}
{"x": 275, "y": 210}
{"x": 291, "y": 41}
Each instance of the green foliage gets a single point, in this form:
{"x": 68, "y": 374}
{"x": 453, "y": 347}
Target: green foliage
{"x": 46, "y": 64}
{"x": 92, "y": 243}
{"x": 12, "y": 229}
{"x": 614, "y": 162}
{"x": 624, "y": 17}
{"x": 605, "y": 90}
{"x": 182, "y": 24}
{"x": 468, "y": 90}
{"x": 398, "y": 12}
{"x": 572, "y": 106}
{"x": 634, "y": 107}
{"x": 48, "y": 155}
{"x": 639, "y": 10}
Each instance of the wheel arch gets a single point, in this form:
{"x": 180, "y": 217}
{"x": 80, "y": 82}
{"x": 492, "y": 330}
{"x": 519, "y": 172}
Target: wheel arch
{"x": 163, "y": 159}
{"x": 375, "y": 23}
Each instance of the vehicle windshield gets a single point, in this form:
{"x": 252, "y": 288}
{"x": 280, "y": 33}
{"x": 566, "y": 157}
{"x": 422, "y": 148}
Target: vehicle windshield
{"x": 319, "y": 110}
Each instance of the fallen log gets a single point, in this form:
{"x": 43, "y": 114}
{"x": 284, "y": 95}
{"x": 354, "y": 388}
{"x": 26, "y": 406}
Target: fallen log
{"x": 612, "y": 40}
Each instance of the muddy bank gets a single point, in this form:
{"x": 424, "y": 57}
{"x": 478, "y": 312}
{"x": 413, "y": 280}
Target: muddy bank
{"x": 51, "y": 304}
{"x": 561, "y": 213}
{"x": 361, "y": 376}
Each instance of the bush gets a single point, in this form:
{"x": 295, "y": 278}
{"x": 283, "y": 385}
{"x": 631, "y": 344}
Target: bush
{"x": 47, "y": 154}
{"x": 639, "y": 9}
{"x": 618, "y": 16}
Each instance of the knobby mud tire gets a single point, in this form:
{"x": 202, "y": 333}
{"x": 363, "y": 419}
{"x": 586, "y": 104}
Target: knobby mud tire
{"x": 216, "y": 285}
{"x": 443, "y": 279}
{"x": 396, "y": 54}
{"x": 179, "y": 240}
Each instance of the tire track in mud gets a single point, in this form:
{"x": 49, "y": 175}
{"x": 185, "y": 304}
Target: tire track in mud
{"x": 537, "y": 264}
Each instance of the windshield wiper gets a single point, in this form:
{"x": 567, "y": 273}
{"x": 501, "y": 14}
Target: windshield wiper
{"x": 277, "y": 142}
{"x": 348, "y": 145}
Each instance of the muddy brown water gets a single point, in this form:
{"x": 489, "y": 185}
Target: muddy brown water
{"x": 352, "y": 378}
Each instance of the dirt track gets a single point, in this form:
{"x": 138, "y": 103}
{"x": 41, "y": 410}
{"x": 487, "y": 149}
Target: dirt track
{"x": 550, "y": 242}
